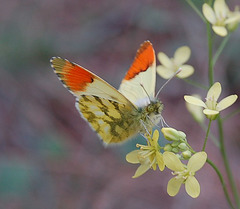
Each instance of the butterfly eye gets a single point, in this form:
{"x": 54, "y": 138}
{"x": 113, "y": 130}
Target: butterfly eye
{"x": 150, "y": 108}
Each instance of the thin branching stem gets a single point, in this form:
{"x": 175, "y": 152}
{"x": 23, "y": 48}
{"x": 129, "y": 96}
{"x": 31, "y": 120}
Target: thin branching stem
{"x": 206, "y": 138}
{"x": 222, "y": 182}
{"x": 196, "y": 10}
{"x": 220, "y": 49}
{"x": 226, "y": 163}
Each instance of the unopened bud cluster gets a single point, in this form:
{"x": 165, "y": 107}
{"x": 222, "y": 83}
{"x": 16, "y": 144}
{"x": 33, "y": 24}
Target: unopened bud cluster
{"x": 179, "y": 142}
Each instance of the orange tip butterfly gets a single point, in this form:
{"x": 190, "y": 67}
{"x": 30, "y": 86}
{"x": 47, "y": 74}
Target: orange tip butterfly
{"x": 116, "y": 115}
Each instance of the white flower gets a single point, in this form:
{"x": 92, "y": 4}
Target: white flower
{"x": 171, "y": 65}
{"x": 211, "y": 106}
{"x": 220, "y": 16}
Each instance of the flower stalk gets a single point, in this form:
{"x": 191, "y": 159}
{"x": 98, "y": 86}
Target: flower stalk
{"x": 226, "y": 163}
{"x": 206, "y": 138}
{"x": 222, "y": 182}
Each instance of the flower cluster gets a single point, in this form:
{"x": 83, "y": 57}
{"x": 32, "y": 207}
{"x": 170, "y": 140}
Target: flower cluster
{"x": 176, "y": 150}
{"x": 221, "y": 18}
{"x": 149, "y": 156}
{"x": 179, "y": 142}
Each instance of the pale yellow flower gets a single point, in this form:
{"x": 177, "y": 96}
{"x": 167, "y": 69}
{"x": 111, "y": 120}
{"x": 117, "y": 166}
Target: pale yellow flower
{"x": 196, "y": 111}
{"x": 171, "y": 65}
{"x": 185, "y": 174}
{"x": 149, "y": 156}
{"x": 211, "y": 106}
{"x": 221, "y": 17}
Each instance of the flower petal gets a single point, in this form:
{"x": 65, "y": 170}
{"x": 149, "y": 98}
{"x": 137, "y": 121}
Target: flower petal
{"x": 226, "y": 102}
{"x": 210, "y": 112}
{"x": 197, "y": 161}
{"x": 165, "y": 60}
{"x": 186, "y": 71}
{"x": 174, "y": 185}
{"x": 132, "y": 157}
{"x": 172, "y": 161}
{"x": 182, "y": 55}
{"x": 192, "y": 187}
{"x": 233, "y": 19}
{"x": 209, "y": 13}
{"x": 143, "y": 168}
{"x": 220, "y": 30}
{"x": 155, "y": 136}
{"x": 220, "y": 9}
{"x": 214, "y": 91}
{"x": 164, "y": 72}
{"x": 196, "y": 111}
{"x": 160, "y": 161}
{"x": 194, "y": 101}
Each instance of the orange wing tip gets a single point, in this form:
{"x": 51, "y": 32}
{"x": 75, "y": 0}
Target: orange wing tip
{"x": 144, "y": 58}
{"x": 73, "y": 76}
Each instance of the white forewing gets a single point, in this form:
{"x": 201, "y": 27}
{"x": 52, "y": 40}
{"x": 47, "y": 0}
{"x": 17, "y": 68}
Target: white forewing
{"x": 141, "y": 87}
{"x": 139, "y": 83}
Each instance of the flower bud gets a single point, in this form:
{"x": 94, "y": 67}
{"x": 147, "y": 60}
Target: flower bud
{"x": 175, "y": 144}
{"x": 168, "y": 147}
{"x": 172, "y": 134}
{"x": 186, "y": 154}
{"x": 183, "y": 146}
{"x": 182, "y": 135}
{"x": 175, "y": 150}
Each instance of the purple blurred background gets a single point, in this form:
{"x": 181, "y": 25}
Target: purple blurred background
{"x": 49, "y": 156}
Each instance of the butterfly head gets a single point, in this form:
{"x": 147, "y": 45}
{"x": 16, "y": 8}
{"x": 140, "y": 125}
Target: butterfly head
{"x": 152, "y": 111}
{"x": 155, "y": 107}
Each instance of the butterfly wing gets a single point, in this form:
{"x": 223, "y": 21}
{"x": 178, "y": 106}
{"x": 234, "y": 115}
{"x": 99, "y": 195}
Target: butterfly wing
{"x": 139, "y": 83}
{"x": 79, "y": 81}
{"x": 108, "y": 112}
{"x": 114, "y": 122}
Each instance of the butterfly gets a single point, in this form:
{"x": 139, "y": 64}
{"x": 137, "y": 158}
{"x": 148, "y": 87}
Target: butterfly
{"x": 115, "y": 115}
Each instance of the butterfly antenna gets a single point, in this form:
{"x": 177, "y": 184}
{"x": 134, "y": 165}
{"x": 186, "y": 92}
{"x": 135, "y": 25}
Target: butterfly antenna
{"x": 178, "y": 71}
{"x": 145, "y": 92}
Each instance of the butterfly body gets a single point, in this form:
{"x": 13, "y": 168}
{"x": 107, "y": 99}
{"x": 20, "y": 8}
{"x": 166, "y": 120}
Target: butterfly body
{"x": 115, "y": 115}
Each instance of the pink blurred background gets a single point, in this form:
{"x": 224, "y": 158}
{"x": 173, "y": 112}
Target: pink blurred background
{"x": 49, "y": 156}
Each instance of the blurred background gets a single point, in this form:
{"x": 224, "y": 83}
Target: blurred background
{"x": 49, "y": 156}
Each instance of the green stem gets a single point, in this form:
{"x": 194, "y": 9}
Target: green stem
{"x": 220, "y": 49}
{"x": 206, "y": 138}
{"x": 211, "y": 136}
{"x": 210, "y": 61}
{"x": 209, "y": 2}
{"x": 222, "y": 182}
{"x": 193, "y": 83}
{"x": 226, "y": 163}
{"x": 196, "y": 10}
